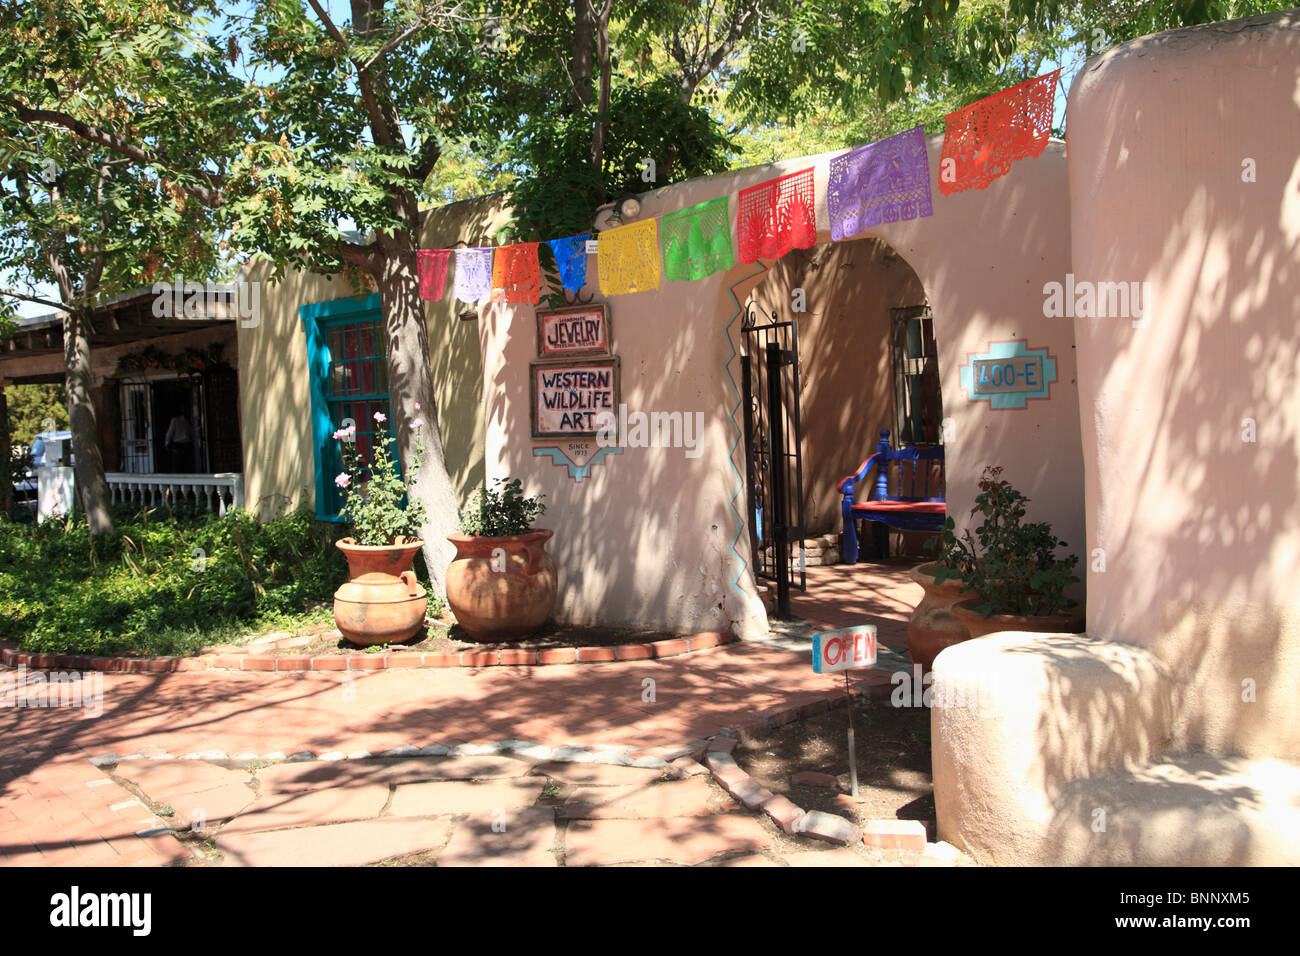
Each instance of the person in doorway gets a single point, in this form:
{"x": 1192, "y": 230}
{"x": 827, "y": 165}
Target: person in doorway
{"x": 179, "y": 440}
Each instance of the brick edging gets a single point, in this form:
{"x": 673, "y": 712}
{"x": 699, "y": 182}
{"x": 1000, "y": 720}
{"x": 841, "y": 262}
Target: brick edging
{"x": 392, "y": 660}
{"x": 716, "y": 756}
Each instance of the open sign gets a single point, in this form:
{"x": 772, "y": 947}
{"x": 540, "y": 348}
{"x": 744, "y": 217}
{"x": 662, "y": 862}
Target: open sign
{"x": 843, "y": 649}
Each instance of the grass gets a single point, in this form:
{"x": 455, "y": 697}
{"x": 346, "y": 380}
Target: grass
{"x": 164, "y": 585}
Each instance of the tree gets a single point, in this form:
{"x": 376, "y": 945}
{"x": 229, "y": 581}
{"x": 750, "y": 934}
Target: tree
{"x": 284, "y": 125}
{"x": 287, "y": 124}
{"x": 76, "y": 217}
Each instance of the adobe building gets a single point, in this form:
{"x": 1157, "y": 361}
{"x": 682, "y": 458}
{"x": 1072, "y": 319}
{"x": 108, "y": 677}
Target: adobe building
{"x": 1163, "y": 446}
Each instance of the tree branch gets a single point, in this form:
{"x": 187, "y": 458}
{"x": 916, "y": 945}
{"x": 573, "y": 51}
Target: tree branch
{"x": 364, "y": 257}
{"x": 59, "y": 306}
{"x": 209, "y": 195}
{"x": 427, "y": 158}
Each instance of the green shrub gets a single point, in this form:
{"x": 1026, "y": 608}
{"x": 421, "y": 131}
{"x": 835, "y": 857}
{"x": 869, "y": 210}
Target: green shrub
{"x": 1013, "y": 567}
{"x": 161, "y": 586}
{"x": 496, "y": 513}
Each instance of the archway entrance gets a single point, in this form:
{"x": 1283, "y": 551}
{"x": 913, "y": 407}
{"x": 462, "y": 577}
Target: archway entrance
{"x": 859, "y": 358}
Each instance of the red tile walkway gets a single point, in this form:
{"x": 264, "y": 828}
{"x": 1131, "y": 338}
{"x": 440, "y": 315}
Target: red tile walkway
{"x": 56, "y": 808}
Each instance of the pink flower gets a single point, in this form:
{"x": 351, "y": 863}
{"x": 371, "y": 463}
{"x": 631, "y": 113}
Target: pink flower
{"x": 417, "y": 406}
{"x": 338, "y": 435}
{"x": 380, "y": 417}
{"x": 342, "y": 479}
{"x": 418, "y": 423}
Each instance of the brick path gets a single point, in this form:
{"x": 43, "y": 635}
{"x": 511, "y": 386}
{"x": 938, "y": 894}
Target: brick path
{"x": 56, "y": 807}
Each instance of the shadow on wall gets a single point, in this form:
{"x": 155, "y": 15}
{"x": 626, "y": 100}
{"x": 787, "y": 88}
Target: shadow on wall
{"x": 845, "y": 366}
{"x": 639, "y": 534}
{"x": 648, "y": 535}
{"x": 1195, "y": 418}
{"x": 274, "y": 376}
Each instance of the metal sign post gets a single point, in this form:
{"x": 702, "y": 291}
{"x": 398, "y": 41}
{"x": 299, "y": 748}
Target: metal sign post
{"x": 843, "y": 650}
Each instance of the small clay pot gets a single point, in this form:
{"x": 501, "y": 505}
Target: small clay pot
{"x": 501, "y": 589}
{"x": 933, "y": 626}
{"x": 1071, "y": 622}
{"x": 382, "y": 602}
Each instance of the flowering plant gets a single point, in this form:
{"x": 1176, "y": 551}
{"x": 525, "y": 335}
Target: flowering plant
{"x": 375, "y": 498}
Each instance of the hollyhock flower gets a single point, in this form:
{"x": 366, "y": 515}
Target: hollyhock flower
{"x": 380, "y": 417}
{"x": 342, "y": 479}
{"x": 418, "y": 423}
{"x": 417, "y": 406}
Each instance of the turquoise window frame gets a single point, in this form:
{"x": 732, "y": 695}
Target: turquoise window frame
{"x": 317, "y": 319}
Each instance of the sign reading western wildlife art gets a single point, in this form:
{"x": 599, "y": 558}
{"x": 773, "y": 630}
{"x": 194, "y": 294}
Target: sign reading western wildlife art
{"x": 582, "y": 330}
{"x": 569, "y": 398}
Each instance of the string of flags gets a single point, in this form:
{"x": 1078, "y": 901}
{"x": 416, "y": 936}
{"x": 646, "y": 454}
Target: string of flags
{"x": 882, "y": 182}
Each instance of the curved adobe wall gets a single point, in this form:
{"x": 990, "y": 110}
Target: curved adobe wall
{"x": 648, "y": 535}
{"x": 1200, "y": 526}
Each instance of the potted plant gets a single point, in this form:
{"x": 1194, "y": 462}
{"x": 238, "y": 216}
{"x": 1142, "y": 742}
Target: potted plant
{"x": 382, "y": 602}
{"x": 1017, "y": 580}
{"x": 502, "y": 584}
{"x": 933, "y": 625}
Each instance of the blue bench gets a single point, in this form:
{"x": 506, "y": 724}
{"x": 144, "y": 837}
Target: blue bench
{"x": 923, "y": 509}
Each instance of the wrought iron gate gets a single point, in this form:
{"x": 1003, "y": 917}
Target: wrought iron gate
{"x": 773, "y": 465}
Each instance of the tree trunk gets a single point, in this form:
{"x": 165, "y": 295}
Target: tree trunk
{"x": 7, "y": 475}
{"x": 91, "y": 483}
{"x": 410, "y": 381}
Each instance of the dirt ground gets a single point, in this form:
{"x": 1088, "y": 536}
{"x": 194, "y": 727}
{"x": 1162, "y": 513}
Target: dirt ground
{"x": 893, "y": 751}
{"x": 443, "y": 637}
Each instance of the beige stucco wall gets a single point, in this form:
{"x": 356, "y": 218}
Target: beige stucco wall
{"x": 1200, "y": 528}
{"x": 278, "y": 461}
{"x": 846, "y": 375}
{"x": 648, "y": 536}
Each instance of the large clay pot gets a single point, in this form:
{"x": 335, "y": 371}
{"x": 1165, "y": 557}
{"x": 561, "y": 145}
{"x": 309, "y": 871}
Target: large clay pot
{"x": 501, "y": 589}
{"x": 933, "y": 626}
{"x": 1071, "y": 622}
{"x": 382, "y": 602}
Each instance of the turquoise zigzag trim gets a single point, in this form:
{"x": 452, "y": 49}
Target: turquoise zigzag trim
{"x": 731, "y": 417}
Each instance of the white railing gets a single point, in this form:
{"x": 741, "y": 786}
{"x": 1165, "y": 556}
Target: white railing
{"x": 219, "y": 493}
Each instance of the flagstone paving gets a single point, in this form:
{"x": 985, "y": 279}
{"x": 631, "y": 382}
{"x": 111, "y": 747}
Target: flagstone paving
{"x": 211, "y": 767}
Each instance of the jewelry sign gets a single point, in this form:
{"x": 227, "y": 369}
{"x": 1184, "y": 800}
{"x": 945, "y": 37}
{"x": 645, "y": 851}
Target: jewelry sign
{"x": 568, "y": 397}
{"x": 582, "y": 330}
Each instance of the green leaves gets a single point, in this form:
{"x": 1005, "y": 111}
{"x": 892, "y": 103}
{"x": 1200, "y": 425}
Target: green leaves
{"x": 139, "y": 587}
{"x": 500, "y": 512}
{"x": 1012, "y": 566}
{"x": 376, "y": 500}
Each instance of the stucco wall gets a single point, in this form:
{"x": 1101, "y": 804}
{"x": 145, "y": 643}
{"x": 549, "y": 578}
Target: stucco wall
{"x": 846, "y": 375}
{"x": 1200, "y": 528}
{"x": 278, "y": 462}
{"x": 648, "y": 536}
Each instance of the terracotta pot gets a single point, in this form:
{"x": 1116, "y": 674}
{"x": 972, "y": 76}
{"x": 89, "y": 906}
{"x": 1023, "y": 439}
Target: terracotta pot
{"x": 381, "y": 603}
{"x": 501, "y": 589}
{"x": 933, "y": 626}
{"x": 1071, "y": 622}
